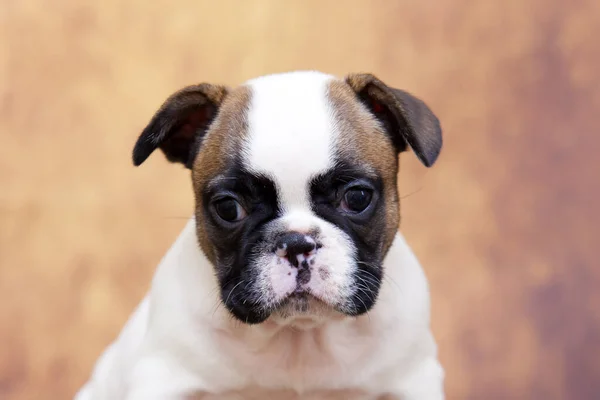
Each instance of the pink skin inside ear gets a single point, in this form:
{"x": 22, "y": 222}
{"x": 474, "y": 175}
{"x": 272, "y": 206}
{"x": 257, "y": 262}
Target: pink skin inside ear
{"x": 194, "y": 120}
{"x": 377, "y": 107}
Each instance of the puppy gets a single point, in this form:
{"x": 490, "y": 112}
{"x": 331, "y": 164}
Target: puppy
{"x": 291, "y": 281}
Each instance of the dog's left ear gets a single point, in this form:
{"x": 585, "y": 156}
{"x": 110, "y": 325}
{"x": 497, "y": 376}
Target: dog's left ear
{"x": 179, "y": 125}
{"x": 406, "y": 118}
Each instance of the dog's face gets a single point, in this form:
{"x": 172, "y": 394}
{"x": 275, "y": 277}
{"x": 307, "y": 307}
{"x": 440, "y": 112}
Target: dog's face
{"x": 295, "y": 183}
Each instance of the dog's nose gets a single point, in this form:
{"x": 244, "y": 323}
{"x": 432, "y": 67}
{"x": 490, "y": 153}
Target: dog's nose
{"x": 293, "y": 244}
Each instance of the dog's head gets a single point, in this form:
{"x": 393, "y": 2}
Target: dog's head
{"x": 295, "y": 183}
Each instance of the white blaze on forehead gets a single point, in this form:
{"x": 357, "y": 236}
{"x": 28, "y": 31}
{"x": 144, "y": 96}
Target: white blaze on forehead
{"x": 290, "y": 132}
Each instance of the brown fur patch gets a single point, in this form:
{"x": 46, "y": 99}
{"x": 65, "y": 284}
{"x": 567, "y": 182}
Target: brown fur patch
{"x": 358, "y": 81}
{"x": 221, "y": 143}
{"x": 362, "y": 139}
{"x": 376, "y": 89}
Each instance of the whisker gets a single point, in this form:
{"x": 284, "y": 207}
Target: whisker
{"x": 368, "y": 279}
{"x": 216, "y": 307}
{"x": 365, "y": 306}
{"x": 231, "y": 291}
{"x": 411, "y": 193}
{"x": 212, "y": 292}
{"x": 386, "y": 277}
{"x": 246, "y": 288}
{"x": 366, "y": 291}
{"x": 393, "y": 282}
{"x": 377, "y": 278}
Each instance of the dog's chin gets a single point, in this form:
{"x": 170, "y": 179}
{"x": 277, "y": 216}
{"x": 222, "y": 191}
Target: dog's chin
{"x": 304, "y": 311}
{"x": 300, "y": 310}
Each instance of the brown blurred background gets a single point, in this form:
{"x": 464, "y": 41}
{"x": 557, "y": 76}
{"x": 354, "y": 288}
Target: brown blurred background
{"x": 505, "y": 223}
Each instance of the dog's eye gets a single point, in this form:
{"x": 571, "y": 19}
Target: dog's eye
{"x": 230, "y": 210}
{"x": 356, "y": 200}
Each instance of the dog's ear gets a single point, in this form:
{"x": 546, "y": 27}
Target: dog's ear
{"x": 179, "y": 125}
{"x": 407, "y": 119}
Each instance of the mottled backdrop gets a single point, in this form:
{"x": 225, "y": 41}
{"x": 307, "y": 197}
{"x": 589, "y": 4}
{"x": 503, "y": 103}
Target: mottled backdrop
{"x": 505, "y": 224}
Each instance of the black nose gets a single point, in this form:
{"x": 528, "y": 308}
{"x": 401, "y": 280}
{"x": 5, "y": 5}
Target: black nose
{"x": 293, "y": 244}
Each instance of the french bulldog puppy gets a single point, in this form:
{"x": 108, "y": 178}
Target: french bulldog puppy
{"x": 291, "y": 281}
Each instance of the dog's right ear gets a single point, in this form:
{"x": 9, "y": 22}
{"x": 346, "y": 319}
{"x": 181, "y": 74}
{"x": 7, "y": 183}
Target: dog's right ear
{"x": 179, "y": 125}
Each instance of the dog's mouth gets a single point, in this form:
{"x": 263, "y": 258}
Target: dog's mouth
{"x": 303, "y": 309}
{"x": 299, "y": 301}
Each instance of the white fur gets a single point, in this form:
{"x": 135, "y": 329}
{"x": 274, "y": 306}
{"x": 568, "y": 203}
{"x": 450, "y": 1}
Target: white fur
{"x": 290, "y": 132}
{"x": 291, "y": 140}
{"x": 181, "y": 340}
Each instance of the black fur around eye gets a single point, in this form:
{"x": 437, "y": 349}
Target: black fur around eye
{"x": 229, "y": 210}
{"x": 356, "y": 200}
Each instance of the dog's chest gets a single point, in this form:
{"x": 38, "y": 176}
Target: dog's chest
{"x": 305, "y": 361}
{"x": 262, "y": 394}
